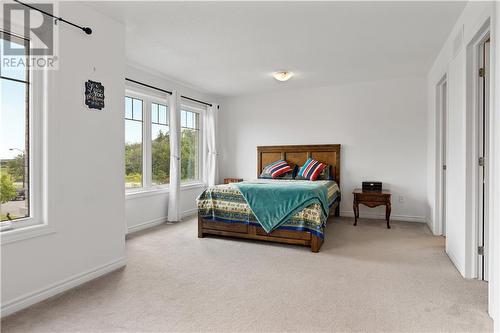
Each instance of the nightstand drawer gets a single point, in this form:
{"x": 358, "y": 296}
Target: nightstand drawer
{"x": 372, "y": 197}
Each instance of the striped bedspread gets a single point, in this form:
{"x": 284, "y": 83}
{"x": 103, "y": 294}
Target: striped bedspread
{"x": 225, "y": 203}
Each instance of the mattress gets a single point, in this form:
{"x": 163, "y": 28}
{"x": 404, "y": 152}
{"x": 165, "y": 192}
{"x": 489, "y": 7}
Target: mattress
{"x": 225, "y": 203}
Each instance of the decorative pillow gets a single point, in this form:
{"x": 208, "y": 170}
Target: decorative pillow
{"x": 295, "y": 171}
{"x": 292, "y": 174}
{"x": 275, "y": 169}
{"x": 311, "y": 169}
{"x": 327, "y": 173}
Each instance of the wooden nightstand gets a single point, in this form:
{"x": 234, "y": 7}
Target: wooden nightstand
{"x": 232, "y": 180}
{"x": 372, "y": 199}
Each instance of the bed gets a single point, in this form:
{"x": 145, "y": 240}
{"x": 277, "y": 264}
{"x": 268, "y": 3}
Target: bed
{"x": 223, "y": 211}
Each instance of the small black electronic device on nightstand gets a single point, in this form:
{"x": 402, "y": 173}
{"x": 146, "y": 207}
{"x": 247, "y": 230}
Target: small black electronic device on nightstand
{"x": 372, "y": 186}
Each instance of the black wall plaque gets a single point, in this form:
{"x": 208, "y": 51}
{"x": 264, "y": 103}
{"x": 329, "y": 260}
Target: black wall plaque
{"x": 94, "y": 95}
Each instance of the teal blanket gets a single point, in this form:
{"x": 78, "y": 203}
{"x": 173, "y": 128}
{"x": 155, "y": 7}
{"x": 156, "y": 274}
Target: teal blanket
{"x": 274, "y": 203}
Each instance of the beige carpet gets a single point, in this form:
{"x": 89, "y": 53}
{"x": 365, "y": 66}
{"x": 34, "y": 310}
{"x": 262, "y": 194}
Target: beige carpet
{"x": 365, "y": 278}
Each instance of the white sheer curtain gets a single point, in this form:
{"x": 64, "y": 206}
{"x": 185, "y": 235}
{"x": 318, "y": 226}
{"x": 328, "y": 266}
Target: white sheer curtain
{"x": 175, "y": 157}
{"x": 210, "y": 156}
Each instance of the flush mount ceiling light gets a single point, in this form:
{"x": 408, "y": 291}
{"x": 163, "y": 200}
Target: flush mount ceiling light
{"x": 282, "y": 75}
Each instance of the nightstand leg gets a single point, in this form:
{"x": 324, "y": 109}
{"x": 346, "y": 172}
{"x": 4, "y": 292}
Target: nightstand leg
{"x": 356, "y": 212}
{"x": 388, "y": 214}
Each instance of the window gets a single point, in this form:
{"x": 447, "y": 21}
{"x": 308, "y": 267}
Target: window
{"x": 133, "y": 142}
{"x": 160, "y": 144}
{"x": 21, "y": 143}
{"x": 190, "y": 146}
{"x": 147, "y": 141}
{"x": 15, "y": 157}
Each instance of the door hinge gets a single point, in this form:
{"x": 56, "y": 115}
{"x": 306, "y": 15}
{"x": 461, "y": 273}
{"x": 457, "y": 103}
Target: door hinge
{"x": 480, "y": 250}
{"x": 444, "y": 166}
{"x": 481, "y": 72}
{"x": 481, "y": 161}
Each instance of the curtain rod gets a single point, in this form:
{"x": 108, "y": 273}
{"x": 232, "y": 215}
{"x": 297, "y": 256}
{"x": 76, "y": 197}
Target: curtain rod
{"x": 197, "y": 101}
{"x": 87, "y": 30}
{"x": 168, "y": 92}
{"x": 147, "y": 85}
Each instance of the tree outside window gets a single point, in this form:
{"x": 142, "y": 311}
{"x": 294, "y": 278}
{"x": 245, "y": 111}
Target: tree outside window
{"x": 190, "y": 139}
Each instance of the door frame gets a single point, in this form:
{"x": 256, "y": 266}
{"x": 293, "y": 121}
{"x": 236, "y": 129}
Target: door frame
{"x": 440, "y": 155}
{"x": 472, "y": 154}
{"x": 483, "y": 144}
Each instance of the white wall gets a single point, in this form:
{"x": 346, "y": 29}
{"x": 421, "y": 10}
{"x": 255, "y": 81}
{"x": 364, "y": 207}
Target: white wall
{"x": 381, "y": 125}
{"x": 85, "y": 189}
{"x": 460, "y": 228}
{"x": 452, "y": 62}
{"x": 144, "y": 210}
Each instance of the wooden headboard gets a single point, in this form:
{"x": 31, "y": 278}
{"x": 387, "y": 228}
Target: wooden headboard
{"x": 329, "y": 154}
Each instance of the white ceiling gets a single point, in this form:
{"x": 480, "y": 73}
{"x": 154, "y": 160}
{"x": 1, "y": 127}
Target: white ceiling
{"x": 231, "y": 48}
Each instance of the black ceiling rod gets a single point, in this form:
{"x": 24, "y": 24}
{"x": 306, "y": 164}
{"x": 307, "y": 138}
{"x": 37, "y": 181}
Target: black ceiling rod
{"x": 166, "y": 91}
{"x": 87, "y": 30}
{"x": 149, "y": 86}
{"x": 196, "y": 101}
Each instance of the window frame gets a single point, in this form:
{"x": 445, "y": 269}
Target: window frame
{"x": 36, "y": 224}
{"x": 148, "y": 97}
{"x": 155, "y": 101}
{"x": 187, "y": 105}
{"x": 138, "y": 97}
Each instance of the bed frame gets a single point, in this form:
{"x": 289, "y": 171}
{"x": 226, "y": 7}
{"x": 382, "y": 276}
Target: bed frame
{"x": 295, "y": 155}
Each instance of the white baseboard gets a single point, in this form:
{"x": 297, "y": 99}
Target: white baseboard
{"x": 455, "y": 262}
{"x": 406, "y": 218}
{"x": 189, "y": 213}
{"x": 147, "y": 224}
{"x": 430, "y": 225}
{"x": 158, "y": 221}
{"x": 26, "y": 300}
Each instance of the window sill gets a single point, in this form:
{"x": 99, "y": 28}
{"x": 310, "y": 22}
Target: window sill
{"x": 19, "y": 234}
{"x": 134, "y": 194}
{"x": 190, "y": 185}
